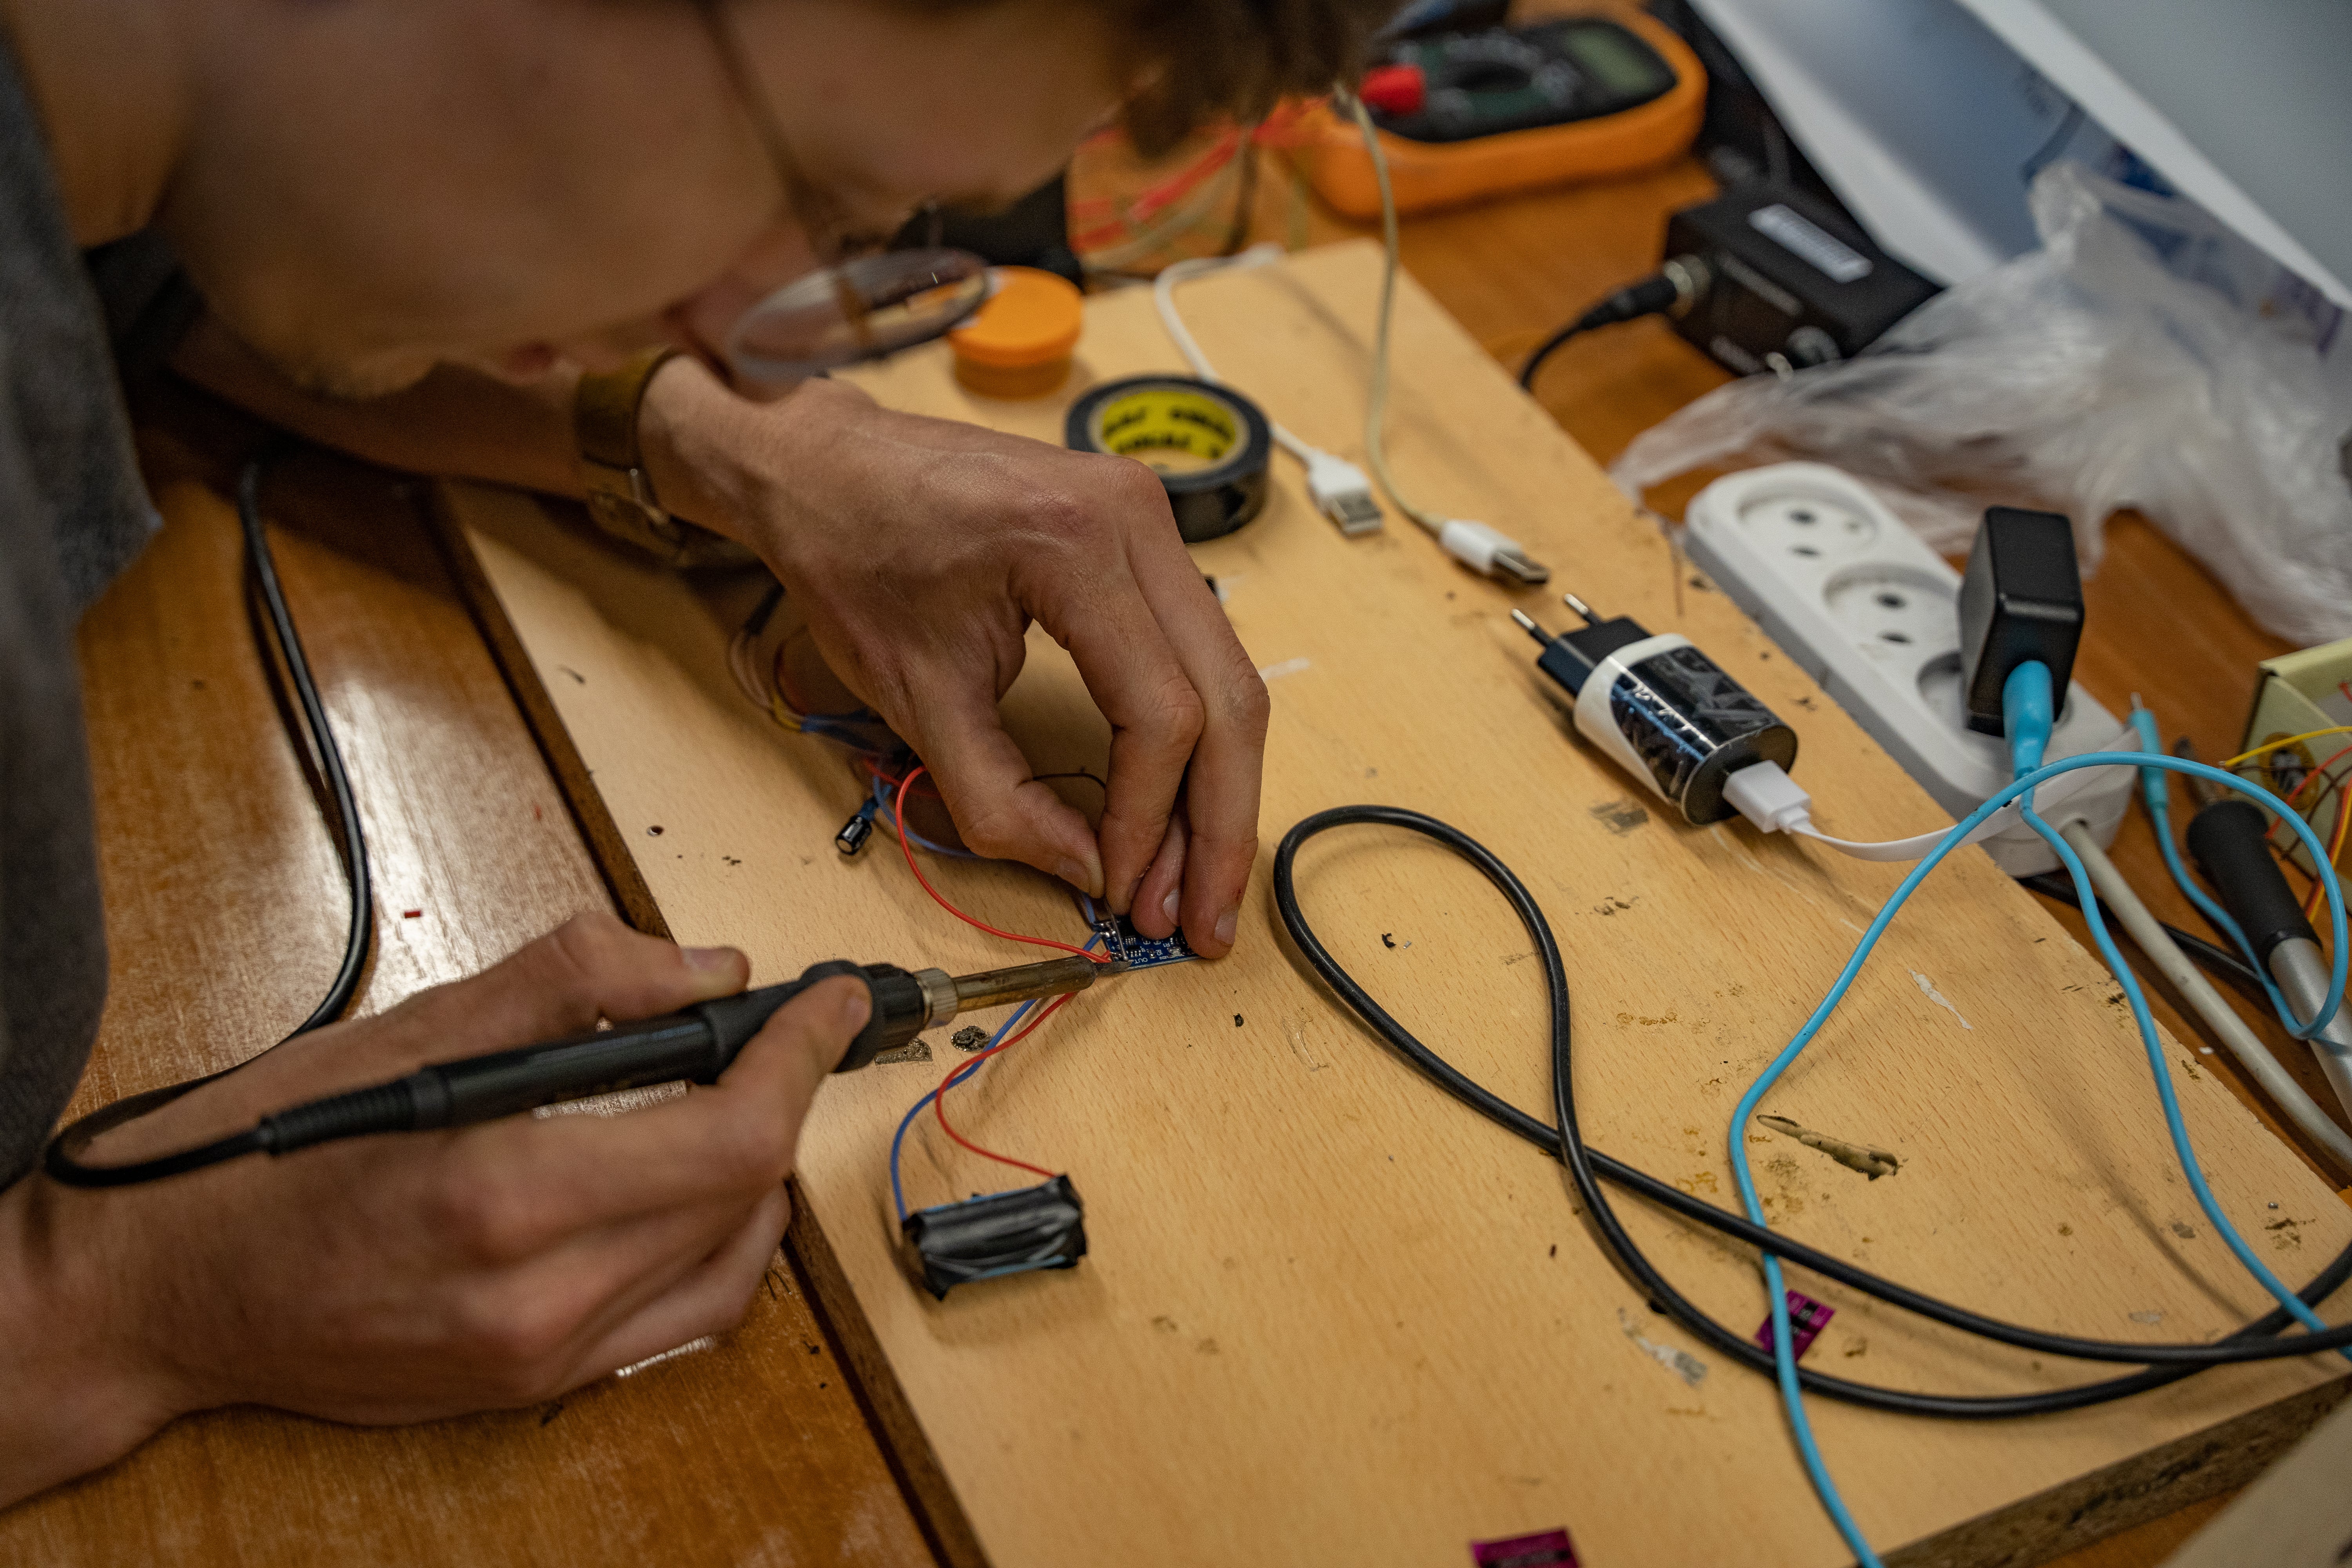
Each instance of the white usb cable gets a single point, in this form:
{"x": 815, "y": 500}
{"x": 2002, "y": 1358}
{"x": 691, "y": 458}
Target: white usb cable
{"x": 1338, "y": 488}
{"x": 1776, "y": 803}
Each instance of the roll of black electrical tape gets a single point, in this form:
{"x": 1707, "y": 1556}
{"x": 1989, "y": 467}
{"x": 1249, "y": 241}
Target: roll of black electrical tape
{"x": 1209, "y": 444}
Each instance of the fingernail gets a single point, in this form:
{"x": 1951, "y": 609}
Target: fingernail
{"x": 1085, "y": 874}
{"x": 1168, "y": 906}
{"x": 856, "y": 1007}
{"x": 710, "y": 957}
{"x": 1227, "y": 923}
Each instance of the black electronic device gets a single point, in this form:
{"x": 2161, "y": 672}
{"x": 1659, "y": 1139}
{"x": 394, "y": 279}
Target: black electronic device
{"x": 1521, "y": 78}
{"x": 1033, "y": 231}
{"x": 2020, "y": 601}
{"x": 1787, "y": 281}
{"x": 1762, "y": 277}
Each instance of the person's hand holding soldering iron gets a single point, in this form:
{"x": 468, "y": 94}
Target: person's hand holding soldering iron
{"x": 394, "y": 1279}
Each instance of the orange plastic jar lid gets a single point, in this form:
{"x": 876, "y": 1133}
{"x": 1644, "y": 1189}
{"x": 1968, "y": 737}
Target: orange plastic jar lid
{"x": 1032, "y": 320}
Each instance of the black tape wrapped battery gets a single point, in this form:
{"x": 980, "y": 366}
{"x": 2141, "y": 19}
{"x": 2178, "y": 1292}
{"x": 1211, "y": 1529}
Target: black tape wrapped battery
{"x": 1028, "y": 1229}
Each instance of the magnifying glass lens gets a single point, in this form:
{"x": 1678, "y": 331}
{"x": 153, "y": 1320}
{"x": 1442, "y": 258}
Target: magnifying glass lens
{"x": 860, "y": 309}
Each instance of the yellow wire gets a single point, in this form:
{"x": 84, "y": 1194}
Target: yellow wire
{"x": 2335, "y": 853}
{"x": 2268, "y": 747}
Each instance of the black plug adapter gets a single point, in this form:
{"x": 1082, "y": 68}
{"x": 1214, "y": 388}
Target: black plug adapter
{"x": 2020, "y": 601}
{"x": 1570, "y": 658}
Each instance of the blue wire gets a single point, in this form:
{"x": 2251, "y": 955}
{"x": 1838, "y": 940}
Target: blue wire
{"x": 897, "y": 1138}
{"x": 2158, "y": 799}
{"x": 1784, "y": 1339}
{"x": 897, "y": 1192}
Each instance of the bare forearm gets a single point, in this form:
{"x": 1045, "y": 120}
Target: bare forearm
{"x": 702, "y": 441}
{"x": 456, "y": 422}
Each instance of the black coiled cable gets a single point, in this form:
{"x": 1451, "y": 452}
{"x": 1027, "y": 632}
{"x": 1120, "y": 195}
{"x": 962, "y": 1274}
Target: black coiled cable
{"x": 2166, "y": 1363}
{"x": 60, "y": 1160}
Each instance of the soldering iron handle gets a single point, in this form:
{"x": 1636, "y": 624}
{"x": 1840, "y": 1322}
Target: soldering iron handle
{"x": 696, "y": 1044}
{"x": 901, "y": 1010}
{"x": 2228, "y": 840}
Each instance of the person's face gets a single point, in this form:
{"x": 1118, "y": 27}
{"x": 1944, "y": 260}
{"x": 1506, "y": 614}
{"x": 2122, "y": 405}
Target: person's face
{"x": 380, "y": 185}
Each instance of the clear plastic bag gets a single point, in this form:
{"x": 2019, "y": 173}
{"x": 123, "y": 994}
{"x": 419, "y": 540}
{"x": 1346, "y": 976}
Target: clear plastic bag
{"x": 2093, "y": 373}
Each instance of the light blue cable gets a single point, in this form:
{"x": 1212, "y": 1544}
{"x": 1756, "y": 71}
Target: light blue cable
{"x": 2158, "y": 799}
{"x": 1783, "y": 1354}
{"x": 2027, "y": 714}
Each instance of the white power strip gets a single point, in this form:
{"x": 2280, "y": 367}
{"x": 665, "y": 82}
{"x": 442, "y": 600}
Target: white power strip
{"x": 1853, "y": 596}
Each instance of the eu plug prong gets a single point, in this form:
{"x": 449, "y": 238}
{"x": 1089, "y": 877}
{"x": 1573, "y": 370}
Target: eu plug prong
{"x": 1582, "y": 608}
{"x": 1527, "y": 624}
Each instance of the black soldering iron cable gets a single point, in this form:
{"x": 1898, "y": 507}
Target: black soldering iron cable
{"x": 360, "y": 931}
{"x": 2252, "y": 1343}
{"x": 60, "y": 1160}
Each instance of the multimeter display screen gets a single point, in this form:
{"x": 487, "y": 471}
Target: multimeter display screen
{"x": 1617, "y": 60}
{"x": 1507, "y": 79}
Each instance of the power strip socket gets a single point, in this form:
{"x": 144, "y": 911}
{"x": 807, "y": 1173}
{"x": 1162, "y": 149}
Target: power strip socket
{"x": 1851, "y": 595}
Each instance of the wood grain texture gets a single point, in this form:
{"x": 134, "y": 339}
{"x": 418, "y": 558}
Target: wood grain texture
{"x": 1325, "y": 1318}
{"x": 225, "y": 907}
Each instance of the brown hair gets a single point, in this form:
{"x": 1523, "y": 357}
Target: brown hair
{"x": 1201, "y": 60}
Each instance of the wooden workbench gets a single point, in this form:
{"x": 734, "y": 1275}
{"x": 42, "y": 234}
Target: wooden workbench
{"x": 1329, "y": 1317}
{"x": 224, "y": 916}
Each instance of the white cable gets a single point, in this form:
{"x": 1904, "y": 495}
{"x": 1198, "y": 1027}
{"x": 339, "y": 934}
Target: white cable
{"x": 1776, "y": 803}
{"x": 1485, "y": 550}
{"x": 1338, "y": 488}
{"x": 1163, "y": 295}
{"x": 2209, "y": 1003}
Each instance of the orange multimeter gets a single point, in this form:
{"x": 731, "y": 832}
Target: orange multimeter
{"x": 1472, "y": 115}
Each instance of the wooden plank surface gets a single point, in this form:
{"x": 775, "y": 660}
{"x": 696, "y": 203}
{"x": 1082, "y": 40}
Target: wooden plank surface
{"x": 225, "y": 909}
{"x": 1324, "y": 1320}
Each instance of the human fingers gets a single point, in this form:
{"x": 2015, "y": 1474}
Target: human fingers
{"x": 708, "y": 1298}
{"x": 1000, "y": 808}
{"x": 1096, "y": 609}
{"x": 590, "y": 967}
{"x": 1222, "y": 781}
{"x": 1158, "y": 898}
{"x": 516, "y": 1188}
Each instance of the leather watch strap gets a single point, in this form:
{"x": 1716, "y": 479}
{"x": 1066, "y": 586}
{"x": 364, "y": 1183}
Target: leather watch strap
{"x": 620, "y": 494}
{"x": 604, "y": 410}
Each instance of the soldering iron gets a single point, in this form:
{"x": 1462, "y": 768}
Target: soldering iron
{"x": 695, "y": 1046}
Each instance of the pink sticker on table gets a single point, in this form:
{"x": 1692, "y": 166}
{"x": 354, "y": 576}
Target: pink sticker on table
{"x": 1807, "y": 1318}
{"x": 1553, "y": 1549}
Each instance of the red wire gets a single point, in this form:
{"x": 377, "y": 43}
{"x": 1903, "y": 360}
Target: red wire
{"x": 938, "y": 1095}
{"x": 898, "y": 809}
{"x": 2302, "y": 783}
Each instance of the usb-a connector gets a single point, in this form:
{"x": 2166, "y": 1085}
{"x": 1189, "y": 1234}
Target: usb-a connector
{"x": 1342, "y": 493}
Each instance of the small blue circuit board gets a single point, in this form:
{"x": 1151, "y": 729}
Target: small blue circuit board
{"x": 1124, "y": 943}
